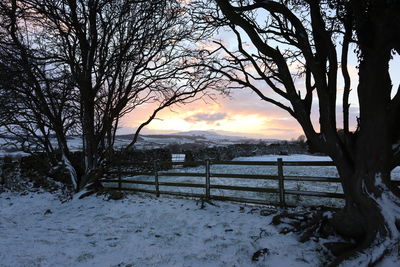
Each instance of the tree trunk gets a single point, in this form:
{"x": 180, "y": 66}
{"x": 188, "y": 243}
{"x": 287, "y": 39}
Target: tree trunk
{"x": 90, "y": 142}
{"x": 371, "y": 215}
{"x": 372, "y": 204}
{"x": 372, "y": 212}
{"x": 89, "y": 152}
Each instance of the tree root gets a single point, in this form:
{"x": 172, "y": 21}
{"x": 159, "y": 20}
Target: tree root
{"x": 308, "y": 224}
{"x": 369, "y": 255}
{"x": 368, "y": 250}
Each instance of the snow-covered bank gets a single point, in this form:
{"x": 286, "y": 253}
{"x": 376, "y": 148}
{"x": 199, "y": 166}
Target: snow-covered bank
{"x": 140, "y": 230}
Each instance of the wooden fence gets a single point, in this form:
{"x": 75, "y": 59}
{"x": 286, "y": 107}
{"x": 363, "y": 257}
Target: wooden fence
{"x": 207, "y": 185}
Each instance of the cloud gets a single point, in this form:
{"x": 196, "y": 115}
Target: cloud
{"x": 209, "y": 118}
{"x": 243, "y": 113}
{"x": 281, "y": 130}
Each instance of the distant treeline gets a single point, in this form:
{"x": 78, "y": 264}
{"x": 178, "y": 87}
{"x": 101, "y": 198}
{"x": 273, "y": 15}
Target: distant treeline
{"x": 230, "y": 152}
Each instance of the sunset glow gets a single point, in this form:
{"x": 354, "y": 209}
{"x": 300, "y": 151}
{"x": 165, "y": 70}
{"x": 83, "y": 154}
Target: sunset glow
{"x": 243, "y": 114}
{"x": 182, "y": 122}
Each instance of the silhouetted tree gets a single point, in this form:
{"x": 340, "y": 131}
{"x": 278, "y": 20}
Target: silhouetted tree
{"x": 291, "y": 58}
{"x": 36, "y": 95}
{"x": 118, "y": 55}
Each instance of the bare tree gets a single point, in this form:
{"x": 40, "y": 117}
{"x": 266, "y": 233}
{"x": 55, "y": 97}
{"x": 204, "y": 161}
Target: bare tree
{"x": 292, "y": 59}
{"x": 36, "y": 94}
{"x": 120, "y": 54}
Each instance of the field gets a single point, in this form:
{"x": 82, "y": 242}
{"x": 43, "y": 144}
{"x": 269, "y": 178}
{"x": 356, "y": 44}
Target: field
{"x": 37, "y": 229}
{"x": 141, "y": 230}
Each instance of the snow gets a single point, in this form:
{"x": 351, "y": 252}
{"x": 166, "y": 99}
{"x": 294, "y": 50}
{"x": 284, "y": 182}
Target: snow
{"x": 178, "y": 157}
{"x": 389, "y": 205}
{"x": 294, "y": 157}
{"x": 71, "y": 170}
{"x": 141, "y": 230}
{"x": 16, "y": 154}
{"x": 7, "y": 149}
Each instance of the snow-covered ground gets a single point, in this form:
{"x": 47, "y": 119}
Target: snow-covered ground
{"x": 319, "y": 171}
{"x": 141, "y": 230}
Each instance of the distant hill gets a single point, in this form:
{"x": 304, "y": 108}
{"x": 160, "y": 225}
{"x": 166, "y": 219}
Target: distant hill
{"x": 207, "y": 138}
{"x": 210, "y": 135}
{"x": 190, "y": 138}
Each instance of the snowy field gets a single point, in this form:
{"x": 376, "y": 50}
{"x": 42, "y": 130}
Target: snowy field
{"x": 140, "y": 230}
{"x": 314, "y": 171}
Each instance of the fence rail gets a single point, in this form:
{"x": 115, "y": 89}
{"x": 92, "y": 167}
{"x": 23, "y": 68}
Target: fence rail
{"x": 208, "y": 176}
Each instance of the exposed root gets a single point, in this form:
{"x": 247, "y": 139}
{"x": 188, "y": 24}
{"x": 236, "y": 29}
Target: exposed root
{"x": 339, "y": 248}
{"x": 313, "y": 224}
{"x": 387, "y": 250}
{"x": 308, "y": 224}
{"x": 381, "y": 242}
{"x": 349, "y": 224}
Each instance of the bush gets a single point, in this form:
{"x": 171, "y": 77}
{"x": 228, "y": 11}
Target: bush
{"x": 141, "y": 160}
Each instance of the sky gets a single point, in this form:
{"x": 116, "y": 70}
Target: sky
{"x": 243, "y": 113}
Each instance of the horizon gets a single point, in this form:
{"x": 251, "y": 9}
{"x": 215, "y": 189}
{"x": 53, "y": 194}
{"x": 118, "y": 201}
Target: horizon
{"x": 130, "y": 131}
{"x": 242, "y": 114}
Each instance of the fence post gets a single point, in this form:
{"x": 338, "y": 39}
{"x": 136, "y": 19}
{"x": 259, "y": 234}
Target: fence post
{"x": 207, "y": 179}
{"x": 119, "y": 177}
{"x": 156, "y": 183}
{"x": 281, "y": 180}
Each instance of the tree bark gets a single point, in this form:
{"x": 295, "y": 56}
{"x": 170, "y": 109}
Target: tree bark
{"x": 372, "y": 209}
{"x": 90, "y": 143}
